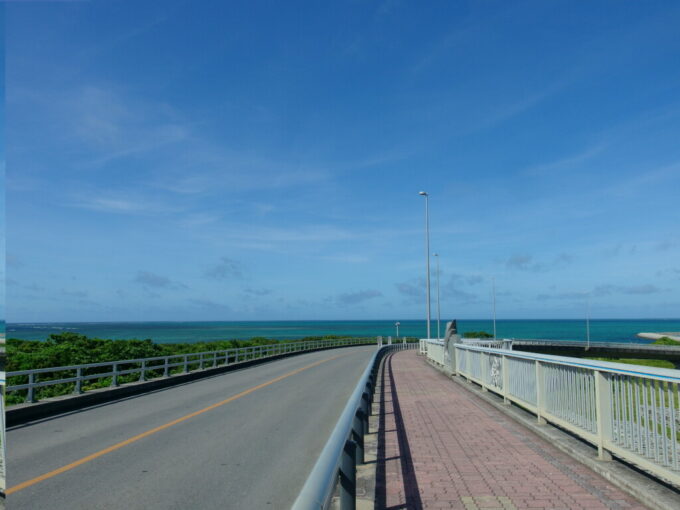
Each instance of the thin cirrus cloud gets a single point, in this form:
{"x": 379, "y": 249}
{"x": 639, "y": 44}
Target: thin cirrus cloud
{"x": 605, "y": 290}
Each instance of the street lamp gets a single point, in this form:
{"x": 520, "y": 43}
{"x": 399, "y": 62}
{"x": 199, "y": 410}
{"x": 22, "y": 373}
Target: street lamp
{"x": 439, "y": 311}
{"x": 397, "y": 324}
{"x": 493, "y": 294}
{"x": 427, "y": 256}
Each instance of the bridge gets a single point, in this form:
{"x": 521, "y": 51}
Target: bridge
{"x": 312, "y": 426}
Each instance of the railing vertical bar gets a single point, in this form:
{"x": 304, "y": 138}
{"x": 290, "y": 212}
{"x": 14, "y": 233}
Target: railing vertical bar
{"x": 663, "y": 421}
{"x": 645, "y": 407}
{"x": 638, "y": 417}
{"x": 674, "y": 437}
{"x": 655, "y": 422}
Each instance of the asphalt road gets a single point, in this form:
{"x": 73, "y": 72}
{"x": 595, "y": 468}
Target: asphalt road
{"x": 252, "y": 450}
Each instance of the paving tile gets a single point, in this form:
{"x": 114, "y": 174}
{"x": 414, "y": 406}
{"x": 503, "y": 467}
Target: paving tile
{"x": 449, "y": 449}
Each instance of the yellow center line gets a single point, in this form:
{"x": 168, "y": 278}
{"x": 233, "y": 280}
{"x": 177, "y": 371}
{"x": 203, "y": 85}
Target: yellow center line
{"x": 149, "y": 432}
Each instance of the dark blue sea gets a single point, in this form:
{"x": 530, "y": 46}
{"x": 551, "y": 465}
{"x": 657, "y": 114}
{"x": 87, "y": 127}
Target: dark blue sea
{"x": 168, "y": 332}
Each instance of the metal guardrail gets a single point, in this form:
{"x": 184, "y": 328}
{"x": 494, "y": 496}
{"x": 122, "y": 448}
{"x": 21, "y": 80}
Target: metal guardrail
{"x": 629, "y": 411}
{"x": 161, "y": 366}
{"x": 345, "y": 447}
{"x": 3, "y": 448}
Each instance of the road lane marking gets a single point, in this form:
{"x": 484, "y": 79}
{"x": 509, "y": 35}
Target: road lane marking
{"x": 149, "y": 432}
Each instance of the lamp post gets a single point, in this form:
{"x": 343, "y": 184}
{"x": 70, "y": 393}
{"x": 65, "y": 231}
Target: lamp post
{"x": 588, "y": 321}
{"x": 493, "y": 293}
{"x": 427, "y": 255}
{"x": 439, "y": 311}
{"x": 397, "y": 324}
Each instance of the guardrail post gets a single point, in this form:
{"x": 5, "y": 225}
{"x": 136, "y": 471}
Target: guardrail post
{"x": 186, "y": 363}
{"x": 114, "y": 379}
{"x": 79, "y": 374}
{"x": 30, "y": 396}
{"x": 214, "y": 359}
{"x": 142, "y": 373}
{"x": 603, "y": 414}
{"x": 366, "y": 408}
{"x": 348, "y": 477}
{"x": 358, "y": 433}
{"x": 540, "y": 393}
{"x": 165, "y": 367}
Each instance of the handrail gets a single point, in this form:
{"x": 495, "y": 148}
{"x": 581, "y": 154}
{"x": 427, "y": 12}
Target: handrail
{"x": 631, "y": 411}
{"x": 189, "y": 362}
{"x": 338, "y": 457}
{"x": 665, "y": 374}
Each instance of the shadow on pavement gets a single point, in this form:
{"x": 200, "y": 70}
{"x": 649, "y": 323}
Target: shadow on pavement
{"x": 411, "y": 492}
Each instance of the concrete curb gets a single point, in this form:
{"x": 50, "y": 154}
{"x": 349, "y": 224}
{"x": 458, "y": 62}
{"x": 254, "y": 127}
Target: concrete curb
{"x": 23, "y": 413}
{"x": 647, "y": 490}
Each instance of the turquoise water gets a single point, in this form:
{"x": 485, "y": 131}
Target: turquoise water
{"x": 166, "y": 332}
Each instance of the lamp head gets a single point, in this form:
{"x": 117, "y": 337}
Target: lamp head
{"x": 423, "y": 193}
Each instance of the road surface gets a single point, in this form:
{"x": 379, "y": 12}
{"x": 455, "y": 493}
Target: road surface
{"x": 243, "y": 440}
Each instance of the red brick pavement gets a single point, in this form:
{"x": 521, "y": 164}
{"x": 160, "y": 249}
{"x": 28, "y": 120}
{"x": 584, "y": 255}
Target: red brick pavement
{"x": 442, "y": 447}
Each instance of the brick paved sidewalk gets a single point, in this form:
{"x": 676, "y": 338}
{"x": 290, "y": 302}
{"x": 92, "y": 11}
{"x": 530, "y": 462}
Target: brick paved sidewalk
{"x": 441, "y": 447}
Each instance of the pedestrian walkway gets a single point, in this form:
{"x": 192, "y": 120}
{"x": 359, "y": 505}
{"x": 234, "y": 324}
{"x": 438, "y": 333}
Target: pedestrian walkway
{"x": 440, "y": 446}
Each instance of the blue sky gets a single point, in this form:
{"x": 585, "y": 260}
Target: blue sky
{"x": 262, "y": 160}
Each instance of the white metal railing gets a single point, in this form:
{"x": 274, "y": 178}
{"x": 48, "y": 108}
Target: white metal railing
{"x": 630, "y": 411}
{"x": 160, "y": 366}
{"x": 494, "y": 343}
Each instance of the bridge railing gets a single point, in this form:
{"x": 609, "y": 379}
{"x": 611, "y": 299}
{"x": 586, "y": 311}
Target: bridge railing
{"x": 630, "y": 411}
{"x": 78, "y": 376}
{"x": 336, "y": 466}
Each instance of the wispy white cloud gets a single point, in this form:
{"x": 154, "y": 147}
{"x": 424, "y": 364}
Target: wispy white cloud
{"x": 567, "y": 164}
{"x": 646, "y": 181}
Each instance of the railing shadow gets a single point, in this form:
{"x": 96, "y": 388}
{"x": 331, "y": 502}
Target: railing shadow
{"x": 411, "y": 492}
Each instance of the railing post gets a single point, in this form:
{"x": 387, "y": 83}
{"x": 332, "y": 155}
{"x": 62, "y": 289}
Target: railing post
{"x": 540, "y": 393}
{"x": 114, "y": 379}
{"x": 30, "y": 396}
{"x": 142, "y": 373}
{"x": 482, "y": 372}
{"x": 79, "y": 374}
{"x": 506, "y": 379}
{"x": 165, "y": 367}
{"x": 186, "y": 363}
{"x": 348, "y": 477}
{"x": 214, "y": 359}
{"x": 603, "y": 414}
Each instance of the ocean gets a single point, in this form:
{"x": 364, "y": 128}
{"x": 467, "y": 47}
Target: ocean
{"x": 601, "y": 330}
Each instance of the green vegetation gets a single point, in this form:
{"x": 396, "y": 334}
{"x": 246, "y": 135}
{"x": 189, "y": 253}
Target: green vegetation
{"x": 477, "y": 334}
{"x": 664, "y": 340}
{"x": 68, "y": 349}
{"x": 658, "y": 363}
